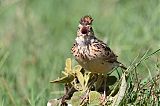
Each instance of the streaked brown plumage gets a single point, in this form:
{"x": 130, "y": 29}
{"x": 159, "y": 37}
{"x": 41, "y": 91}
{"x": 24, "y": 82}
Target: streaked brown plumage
{"x": 91, "y": 53}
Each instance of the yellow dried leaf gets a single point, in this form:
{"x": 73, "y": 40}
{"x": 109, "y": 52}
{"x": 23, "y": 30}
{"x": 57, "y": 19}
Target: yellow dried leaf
{"x": 68, "y": 67}
{"x": 79, "y": 75}
{"x": 65, "y": 79}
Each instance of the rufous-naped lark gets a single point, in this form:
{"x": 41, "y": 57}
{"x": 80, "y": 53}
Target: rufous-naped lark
{"x": 91, "y": 53}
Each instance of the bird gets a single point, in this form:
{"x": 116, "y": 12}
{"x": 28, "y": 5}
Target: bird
{"x": 91, "y": 53}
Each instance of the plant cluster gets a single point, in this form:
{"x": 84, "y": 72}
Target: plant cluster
{"x": 123, "y": 87}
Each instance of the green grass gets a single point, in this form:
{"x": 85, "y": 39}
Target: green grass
{"x": 36, "y": 37}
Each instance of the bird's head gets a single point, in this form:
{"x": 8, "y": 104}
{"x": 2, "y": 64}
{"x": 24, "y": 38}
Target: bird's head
{"x": 85, "y": 27}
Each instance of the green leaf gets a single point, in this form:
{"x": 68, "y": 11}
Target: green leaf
{"x": 75, "y": 99}
{"x": 94, "y": 98}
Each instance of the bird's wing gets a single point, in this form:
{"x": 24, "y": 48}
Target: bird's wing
{"x": 107, "y": 53}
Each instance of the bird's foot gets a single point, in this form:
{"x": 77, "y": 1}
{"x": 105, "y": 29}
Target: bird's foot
{"x": 103, "y": 100}
{"x": 85, "y": 97}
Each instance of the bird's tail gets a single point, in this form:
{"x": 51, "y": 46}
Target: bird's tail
{"x": 121, "y": 65}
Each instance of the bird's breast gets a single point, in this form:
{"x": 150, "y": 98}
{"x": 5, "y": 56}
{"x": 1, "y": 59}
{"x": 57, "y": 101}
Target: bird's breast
{"x": 96, "y": 65}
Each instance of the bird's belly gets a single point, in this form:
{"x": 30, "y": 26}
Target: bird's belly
{"x": 97, "y": 66}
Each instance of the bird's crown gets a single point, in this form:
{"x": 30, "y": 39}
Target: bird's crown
{"x": 86, "y": 20}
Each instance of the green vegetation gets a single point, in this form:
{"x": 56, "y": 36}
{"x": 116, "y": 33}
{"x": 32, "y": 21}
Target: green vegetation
{"x": 36, "y": 37}
{"x": 123, "y": 88}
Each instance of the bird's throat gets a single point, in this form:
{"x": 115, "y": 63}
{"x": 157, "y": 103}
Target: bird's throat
{"x": 83, "y": 41}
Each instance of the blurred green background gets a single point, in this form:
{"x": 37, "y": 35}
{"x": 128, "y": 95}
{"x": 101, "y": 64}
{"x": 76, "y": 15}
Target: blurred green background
{"x": 36, "y": 37}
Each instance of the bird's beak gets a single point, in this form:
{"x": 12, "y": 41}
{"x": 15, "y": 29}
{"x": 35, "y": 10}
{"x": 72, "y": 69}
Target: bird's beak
{"x": 84, "y": 30}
